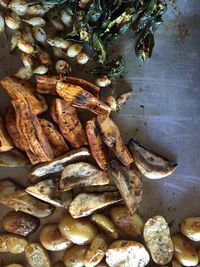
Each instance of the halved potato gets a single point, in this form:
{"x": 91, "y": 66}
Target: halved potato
{"x": 5, "y": 142}
{"x": 37, "y": 256}
{"x": 190, "y": 227}
{"x": 158, "y": 240}
{"x": 74, "y": 257}
{"x": 123, "y": 253}
{"x": 13, "y": 158}
{"x": 12, "y": 243}
{"x": 150, "y": 164}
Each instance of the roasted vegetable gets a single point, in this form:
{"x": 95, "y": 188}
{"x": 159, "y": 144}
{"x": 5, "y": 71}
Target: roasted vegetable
{"x": 12, "y": 243}
{"x": 145, "y": 45}
{"x": 13, "y": 158}
{"x": 96, "y": 144}
{"x": 127, "y": 180}
{"x": 5, "y": 142}
{"x": 149, "y": 163}
{"x": 20, "y": 223}
{"x": 75, "y": 256}
{"x": 99, "y": 189}
{"x": 121, "y": 99}
{"x": 37, "y": 256}
{"x": 14, "y": 265}
{"x": 85, "y": 204}
{"x": 82, "y": 174}
{"x": 190, "y": 228}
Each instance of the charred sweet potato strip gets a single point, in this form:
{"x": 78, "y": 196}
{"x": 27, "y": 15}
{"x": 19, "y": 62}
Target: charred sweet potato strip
{"x": 19, "y": 90}
{"x": 47, "y": 84}
{"x": 5, "y": 142}
{"x": 56, "y": 140}
{"x": 78, "y": 97}
{"x": 38, "y": 148}
{"x": 69, "y": 124}
{"x": 96, "y": 144}
{"x": 112, "y": 138}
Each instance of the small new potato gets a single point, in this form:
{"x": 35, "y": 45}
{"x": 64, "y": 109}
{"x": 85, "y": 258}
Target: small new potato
{"x": 78, "y": 231}
{"x": 74, "y": 257}
{"x": 37, "y": 256}
{"x": 74, "y": 49}
{"x": 52, "y": 239}
{"x": 184, "y": 252}
{"x": 12, "y": 243}
{"x": 190, "y": 227}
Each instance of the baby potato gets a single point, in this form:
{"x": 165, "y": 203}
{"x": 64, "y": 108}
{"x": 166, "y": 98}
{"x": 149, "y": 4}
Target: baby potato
{"x": 20, "y": 223}
{"x": 14, "y": 265}
{"x": 78, "y": 231}
{"x": 190, "y": 227}
{"x": 106, "y": 224}
{"x": 59, "y": 264}
{"x": 12, "y": 243}
{"x": 52, "y": 239}
{"x": 131, "y": 225}
{"x": 184, "y": 252}
{"x": 96, "y": 251}
{"x": 176, "y": 263}
{"x": 74, "y": 257}
{"x": 37, "y": 256}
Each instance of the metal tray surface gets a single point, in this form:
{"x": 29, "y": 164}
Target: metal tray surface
{"x": 163, "y": 113}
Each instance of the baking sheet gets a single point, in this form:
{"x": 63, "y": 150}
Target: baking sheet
{"x": 164, "y": 112}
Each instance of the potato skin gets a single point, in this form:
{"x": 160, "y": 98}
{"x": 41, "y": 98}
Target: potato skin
{"x": 78, "y": 231}
{"x": 12, "y": 243}
{"x": 74, "y": 257}
{"x": 20, "y": 223}
{"x": 37, "y": 256}
{"x": 190, "y": 227}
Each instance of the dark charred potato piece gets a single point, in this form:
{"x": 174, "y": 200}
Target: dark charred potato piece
{"x": 20, "y": 223}
{"x": 112, "y": 138}
{"x": 13, "y": 158}
{"x": 80, "y": 98}
{"x": 19, "y": 90}
{"x": 5, "y": 142}
{"x": 96, "y": 144}
{"x": 57, "y": 165}
{"x": 69, "y": 124}
{"x": 128, "y": 182}
{"x": 150, "y": 164}
{"x": 85, "y": 204}
{"x": 38, "y": 148}
{"x": 82, "y": 174}
{"x": 56, "y": 140}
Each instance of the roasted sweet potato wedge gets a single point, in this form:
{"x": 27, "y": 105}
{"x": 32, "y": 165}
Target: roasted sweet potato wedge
{"x": 56, "y": 140}
{"x": 37, "y": 146}
{"x": 128, "y": 182}
{"x": 96, "y": 144}
{"x": 112, "y": 138}
{"x": 47, "y": 84}
{"x": 76, "y": 96}
{"x": 69, "y": 124}
{"x": 5, "y": 142}
{"x": 19, "y": 90}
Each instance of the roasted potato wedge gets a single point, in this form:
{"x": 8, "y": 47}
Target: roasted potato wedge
{"x": 96, "y": 144}
{"x": 80, "y": 232}
{"x": 76, "y": 96}
{"x": 12, "y": 243}
{"x": 20, "y": 223}
{"x": 96, "y": 251}
{"x": 52, "y": 239}
{"x": 113, "y": 140}
{"x": 58, "y": 164}
{"x": 99, "y": 189}
{"x": 158, "y": 240}
{"x": 13, "y": 158}
{"x": 74, "y": 257}
{"x": 17, "y": 199}
{"x": 122, "y": 99}
{"x": 150, "y": 164}
{"x": 5, "y": 142}
{"x": 82, "y": 174}
{"x": 190, "y": 227}
{"x": 105, "y": 224}
{"x": 69, "y": 124}
{"x": 127, "y": 253}
{"x": 20, "y": 90}
{"x": 85, "y": 204}
{"x": 184, "y": 251}
{"x": 37, "y": 146}
{"x": 37, "y": 256}
{"x": 131, "y": 225}
{"x": 127, "y": 180}
{"x": 48, "y": 191}
{"x": 55, "y": 139}
{"x": 47, "y": 84}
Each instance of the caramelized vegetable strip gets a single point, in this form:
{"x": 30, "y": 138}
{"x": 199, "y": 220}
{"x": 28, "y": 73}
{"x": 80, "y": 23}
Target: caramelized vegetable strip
{"x": 37, "y": 146}
{"x": 78, "y": 97}
{"x": 5, "y": 142}
{"x": 19, "y": 90}
{"x": 96, "y": 144}
{"x": 56, "y": 140}
{"x": 69, "y": 124}
{"x": 112, "y": 138}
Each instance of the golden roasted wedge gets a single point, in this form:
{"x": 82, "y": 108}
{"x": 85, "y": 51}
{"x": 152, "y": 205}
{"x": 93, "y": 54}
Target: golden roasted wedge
{"x": 150, "y": 164}
{"x": 19, "y": 90}
{"x": 78, "y": 97}
{"x": 112, "y": 138}
{"x": 5, "y": 142}
{"x": 127, "y": 180}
